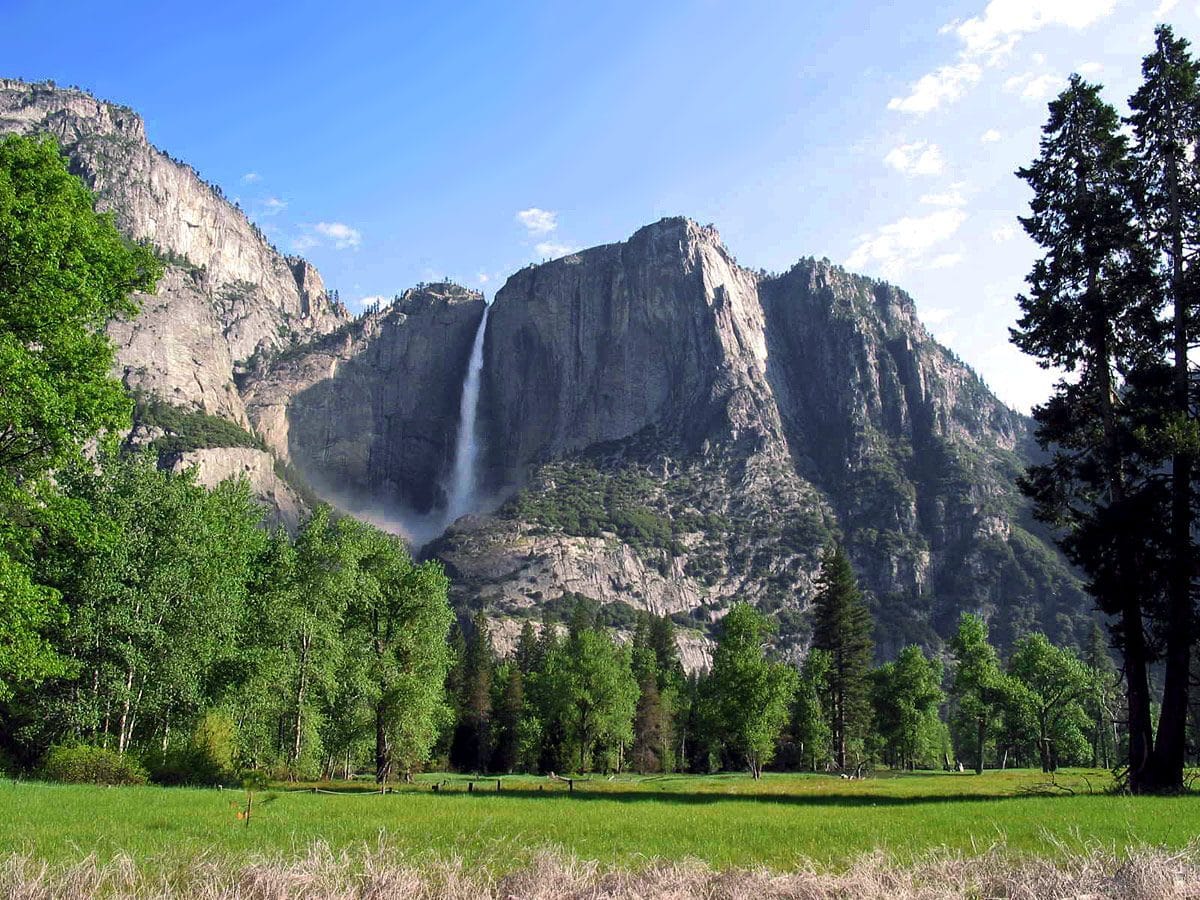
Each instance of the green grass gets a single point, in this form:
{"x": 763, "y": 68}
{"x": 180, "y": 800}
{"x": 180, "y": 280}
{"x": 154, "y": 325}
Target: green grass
{"x": 726, "y": 820}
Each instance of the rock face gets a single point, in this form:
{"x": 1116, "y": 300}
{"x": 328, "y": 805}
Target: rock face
{"x": 227, "y": 297}
{"x": 661, "y": 428}
{"x": 369, "y": 412}
{"x": 682, "y": 433}
{"x": 214, "y": 465}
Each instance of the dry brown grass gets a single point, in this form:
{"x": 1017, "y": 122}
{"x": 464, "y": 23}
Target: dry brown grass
{"x": 381, "y": 875}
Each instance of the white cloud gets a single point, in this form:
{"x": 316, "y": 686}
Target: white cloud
{"x": 1034, "y": 87}
{"x": 364, "y": 302}
{"x": 950, "y": 197}
{"x": 273, "y": 205}
{"x": 943, "y": 85}
{"x": 1004, "y": 22}
{"x": 1165, "y": 7}
{"x": 1004, "y": 232}
{"x": 935, "y": 315}
{"x": 304, "y": 242}
{"x": 917, "y": 158}
{"x": 483, "y": 277}
{"x": 538, "y": 221}
{"x": 553, "y": 250}
{"x": 342, "y": 235}
{"x": 945, "y": 261}
{"x": 988, "y": 38}
{"x": 251, "y": 178}
{"x": 905, "y": 244}
{"x": 990, "y": 136}
{"x": 1090, "y": 68}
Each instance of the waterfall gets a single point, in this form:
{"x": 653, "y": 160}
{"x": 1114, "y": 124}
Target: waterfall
{"x": 461, "y": 497}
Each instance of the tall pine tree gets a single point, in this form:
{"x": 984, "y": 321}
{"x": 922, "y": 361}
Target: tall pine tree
{"x": 1166, "y": 127}
{"x": 842, "y": 627}
{"x": 1090, "y": 311}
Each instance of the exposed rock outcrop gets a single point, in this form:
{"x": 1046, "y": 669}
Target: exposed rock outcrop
{"x": 227, "y": 298}
{"x": 660, "y": 426}
{"x": 369, "y": 413}
{"x": 214, "y": 465}
{"x": 750, "y": 419}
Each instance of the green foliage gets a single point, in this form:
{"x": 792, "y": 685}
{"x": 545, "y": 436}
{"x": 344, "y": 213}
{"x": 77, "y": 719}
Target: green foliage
{"x": 811, "y": 738}
{"x": 154, "y": 573}
{"x": 84, "y": 764}
{"x": 190, "y": 429}
{"x": 65, "y": 272}
{"x": 978, "y": 688}
{"x": 1056, "y": 684}
{"x": 842, "y": 627}
{"x": 749, "y": 695}
{"x": 906, "y": 695}
{"x": 579, "y": 499}
{"x": 207, "y": 758}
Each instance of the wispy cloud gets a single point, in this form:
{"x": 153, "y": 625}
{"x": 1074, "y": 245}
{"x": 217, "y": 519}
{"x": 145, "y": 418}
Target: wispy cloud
{"x": 343, "y": 236}
{"x": 1004, "y": 232}
{"x": 952, "y": 196}
{"x": 553, "y": 250}
{"x": 907, "y": 243}
{"x": 945, "y": 261}
{"x": 251, "y": 178}
{"x": 272, "y": 206}
{"x": 987, "y": 39}
{"x": 990, "y": 136}
{"x": 941, "y": 86}
{"x": 538, "y": 221}
{"x": 1030, "y": 86}
{"x": 364, "y": 302}
{"x": 917, "y": 158}
{"x": 304, "y": 242}
{"x": 997, "y": 31}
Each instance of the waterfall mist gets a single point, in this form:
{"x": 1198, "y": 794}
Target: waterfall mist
{"x": 461, "y": 485}
{"x": 462, "y": 491}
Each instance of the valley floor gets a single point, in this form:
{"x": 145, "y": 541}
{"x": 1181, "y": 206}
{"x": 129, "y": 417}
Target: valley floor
{"x": 725, "y": 821}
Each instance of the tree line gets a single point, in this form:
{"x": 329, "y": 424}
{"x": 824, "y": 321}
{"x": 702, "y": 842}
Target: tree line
{"x": 573, "y": 698}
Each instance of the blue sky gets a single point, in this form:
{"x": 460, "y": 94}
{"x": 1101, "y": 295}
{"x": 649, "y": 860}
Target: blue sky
{"x": 393, "y": 143}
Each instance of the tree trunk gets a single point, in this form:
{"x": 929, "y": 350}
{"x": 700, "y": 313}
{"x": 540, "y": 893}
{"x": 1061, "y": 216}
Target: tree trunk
{"x": 301, "y": 690}
{"x": 981, "y": 740}
{"x": 383, "y": 755}
{"x": 1171, "y": 741}
{"x": 1137, "y": 688}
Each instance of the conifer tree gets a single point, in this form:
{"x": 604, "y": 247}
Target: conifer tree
{"x": 649, "y": 738}
{"x": 843, "y": 628}
{"x": 510, "y": 713}
{"x": 1166, "y": 127}
{"x": 1090, "y": 311}
{"x": 472, "y": 744}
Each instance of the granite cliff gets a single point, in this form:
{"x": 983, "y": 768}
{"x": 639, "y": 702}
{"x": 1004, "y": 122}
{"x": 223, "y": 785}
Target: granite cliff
{"x": 227, "y": 298}
{"x": 661, "y": 428}
{"x": 677, "y": 432}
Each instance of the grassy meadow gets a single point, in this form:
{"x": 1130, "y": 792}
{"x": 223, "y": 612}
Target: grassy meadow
{"x": 726, "y": 821}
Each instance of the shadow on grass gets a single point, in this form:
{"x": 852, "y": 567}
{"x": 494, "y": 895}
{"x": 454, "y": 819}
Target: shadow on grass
{"x": 559, "y": 792}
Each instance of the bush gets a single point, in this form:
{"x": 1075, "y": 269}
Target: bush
{"x": 84, "y": 764}
{"x": 206, "y": 759}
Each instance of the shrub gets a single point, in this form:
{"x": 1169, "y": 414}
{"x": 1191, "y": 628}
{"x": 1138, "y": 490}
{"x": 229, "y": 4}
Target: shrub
{"x": 84, "y": 764}
{"x": 207, "y": 758}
